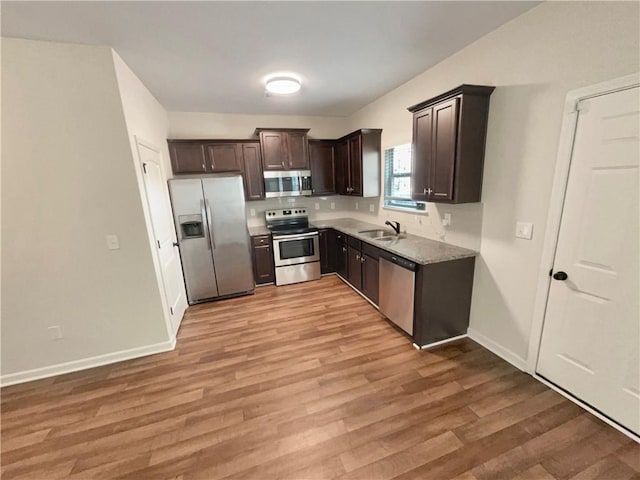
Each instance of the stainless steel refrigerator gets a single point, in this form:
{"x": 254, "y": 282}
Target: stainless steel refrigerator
{"x": 213, "y": 237}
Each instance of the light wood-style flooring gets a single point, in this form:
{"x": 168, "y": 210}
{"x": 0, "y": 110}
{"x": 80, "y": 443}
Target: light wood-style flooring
{"x": 301, "y": 382}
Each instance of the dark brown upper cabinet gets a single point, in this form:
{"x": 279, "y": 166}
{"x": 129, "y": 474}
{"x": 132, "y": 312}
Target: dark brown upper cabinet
{"x": 224, "y": 157}
{"x": 205, "y": 156}
{"x": 187, "y": 157}
{"x": 357, "y": 163}
{"x": 449, "y": 135}
{"x": 322, "y": 161}
{"x": 284, "y": 148}
{"x": 252, "y": 171}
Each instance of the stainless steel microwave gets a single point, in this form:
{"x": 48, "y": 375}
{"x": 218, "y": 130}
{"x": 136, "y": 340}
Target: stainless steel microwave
{"x": 288, "y": 183}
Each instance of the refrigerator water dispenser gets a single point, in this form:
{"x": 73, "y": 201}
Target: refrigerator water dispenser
{"x": 191, "y": 226}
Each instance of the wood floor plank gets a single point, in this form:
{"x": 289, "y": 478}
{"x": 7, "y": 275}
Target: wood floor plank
{"x": 306, "y": 381}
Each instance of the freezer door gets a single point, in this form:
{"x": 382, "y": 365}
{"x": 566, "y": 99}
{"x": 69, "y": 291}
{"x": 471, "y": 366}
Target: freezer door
{"x": 224, "y": 199}
{"x": 187, "y": 201}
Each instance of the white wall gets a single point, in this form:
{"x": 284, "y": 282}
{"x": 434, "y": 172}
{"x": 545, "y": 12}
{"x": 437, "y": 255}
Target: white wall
{"x": 68, "y": 181}
{"x": 534, "y": 60}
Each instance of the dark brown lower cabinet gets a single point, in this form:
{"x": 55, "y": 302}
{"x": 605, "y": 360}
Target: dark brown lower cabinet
{"x": 442, "y": 300}
{"x": 328, "y": 250}
{"x": 342, "y": 259}
{"x": 354, "y": 275}
{"x": 357, "y": 263}
{"x": 370, "y": 279}
{"x": 263, "y": 268}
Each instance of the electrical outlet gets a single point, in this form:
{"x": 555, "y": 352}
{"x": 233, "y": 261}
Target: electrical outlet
{"x": 372, "y": 207}
{"x": 333, "y": 205}
{"x": 524, "y": 230}
{"x": 55, "y": 332}
{"x": 446, "y": 220}
{"x": 357, "y": 206}
{"x": 317, "y": 205}
{"x": 252, "y": 212}
{"x": 113, "y": 242}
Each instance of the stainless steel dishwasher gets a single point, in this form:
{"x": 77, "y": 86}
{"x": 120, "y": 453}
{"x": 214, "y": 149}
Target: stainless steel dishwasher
{"x": 397, "y": 284}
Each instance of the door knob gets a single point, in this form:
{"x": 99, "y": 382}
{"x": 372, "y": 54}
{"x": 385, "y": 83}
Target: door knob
{"x": 560, "y": 276}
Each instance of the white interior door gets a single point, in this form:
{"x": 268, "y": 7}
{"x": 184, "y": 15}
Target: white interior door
{"x": 591, "y": 333}
{"x": 164, "y": 233}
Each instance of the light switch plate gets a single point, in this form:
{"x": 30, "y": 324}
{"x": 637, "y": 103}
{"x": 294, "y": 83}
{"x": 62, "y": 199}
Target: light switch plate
{"x": 446, "y": 220}
{"x": 372, "y": 207}
{"x": 333, "y": 206}
{"x": 252, "y": 212}
{"x": 317, "y": 205}
{"x": 524, "y": 230}
{"x": 113, "y": 242}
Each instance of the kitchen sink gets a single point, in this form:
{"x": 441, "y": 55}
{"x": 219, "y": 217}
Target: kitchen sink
{"x": 377, "y": 233}
{"x": 390, "y": 238}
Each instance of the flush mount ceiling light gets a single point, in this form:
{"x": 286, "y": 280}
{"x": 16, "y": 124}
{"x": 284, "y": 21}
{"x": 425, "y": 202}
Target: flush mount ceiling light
{"x": 282, "y": 83}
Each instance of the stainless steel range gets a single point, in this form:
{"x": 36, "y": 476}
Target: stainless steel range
{"x": 296, "y": 245}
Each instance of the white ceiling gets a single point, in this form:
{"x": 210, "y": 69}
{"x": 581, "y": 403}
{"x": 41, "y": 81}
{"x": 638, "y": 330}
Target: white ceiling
{"x": 212, "y": 56}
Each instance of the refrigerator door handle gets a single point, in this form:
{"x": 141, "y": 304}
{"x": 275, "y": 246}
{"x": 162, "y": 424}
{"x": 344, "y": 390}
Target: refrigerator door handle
{"x": 209, "y": 226}
{"x": 203, "y": 212}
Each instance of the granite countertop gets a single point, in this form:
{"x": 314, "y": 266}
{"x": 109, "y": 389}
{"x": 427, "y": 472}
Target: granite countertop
{"x": 256, "y": 230}
{"x": 418, "y": 249}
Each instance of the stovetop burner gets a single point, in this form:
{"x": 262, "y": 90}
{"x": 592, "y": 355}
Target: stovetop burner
{"x": 289, "y": 221}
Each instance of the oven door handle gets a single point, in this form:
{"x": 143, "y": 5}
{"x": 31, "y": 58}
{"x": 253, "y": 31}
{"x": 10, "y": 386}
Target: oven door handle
{"x": 296, "y": 236}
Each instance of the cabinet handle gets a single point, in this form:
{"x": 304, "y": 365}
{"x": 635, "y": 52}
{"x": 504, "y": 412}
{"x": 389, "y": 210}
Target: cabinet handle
{"x": 357, "y": 257}
{"x": 204, "y": 167}
{"x": 427, "y": 191}
{"x": 344, "y": 249}
{"x": 361, "y": 259}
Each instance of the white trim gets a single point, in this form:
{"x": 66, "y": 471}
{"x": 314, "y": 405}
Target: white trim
{"x": 499, "y": 350}
{"x": 85, "y": 363}
{"x": 441, "y": 342}
{"x": 589, "y": 409}
{"x": 151, "y": 234}
{"x": 561, "y": 176}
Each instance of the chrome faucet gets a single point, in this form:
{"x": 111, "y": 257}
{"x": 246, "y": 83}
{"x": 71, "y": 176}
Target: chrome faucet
{"x": 396, "y": 227}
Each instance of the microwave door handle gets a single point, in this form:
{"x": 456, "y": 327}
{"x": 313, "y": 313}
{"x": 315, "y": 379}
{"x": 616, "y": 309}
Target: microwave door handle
{"x": 209, "y": 218}
{"x": 205, "y": 219}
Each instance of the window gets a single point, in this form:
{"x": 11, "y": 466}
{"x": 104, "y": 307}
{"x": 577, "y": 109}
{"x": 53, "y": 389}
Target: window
{"x": 397, "y": 180}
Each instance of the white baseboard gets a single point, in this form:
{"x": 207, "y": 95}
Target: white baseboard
{"x": 85, "y": 363}
{"x": 504, "y": 353}
{"x": 441, "y": 342}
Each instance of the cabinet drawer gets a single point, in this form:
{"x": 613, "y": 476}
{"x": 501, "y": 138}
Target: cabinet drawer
{"x": 370, "y": 250}
{"x": 353, "y": 242}
{"x": 261, "y": 240}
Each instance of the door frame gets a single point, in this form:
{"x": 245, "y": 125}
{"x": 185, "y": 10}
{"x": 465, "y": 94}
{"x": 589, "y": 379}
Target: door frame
{"x": 554, "y": 219}
{"x": 151, "y": 233}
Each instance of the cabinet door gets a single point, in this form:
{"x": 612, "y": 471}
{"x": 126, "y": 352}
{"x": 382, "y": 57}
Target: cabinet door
{"x": 224, "y": 157}
{"x": 328, "y": 251}
{"x": 355, "y": 165}
{"x": 443, "y": 159}
{"x": 187, "y": 157}
{"x": 342, "y": 168}
{"x": 421, "y": 156}
{"x": 370, "y": 277}
{"x": 355, "y": 268}
{"x": 297, "y": 151}
{"x": 322, "y": 167}
{"x": 342, "y": 260}
{"x": 273, "y": 150}
{"x": 263, "y": 269}
{"x": 252, "y": 171}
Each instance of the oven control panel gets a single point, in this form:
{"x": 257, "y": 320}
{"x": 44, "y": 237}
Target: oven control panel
{"x": 299, "y": 212}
